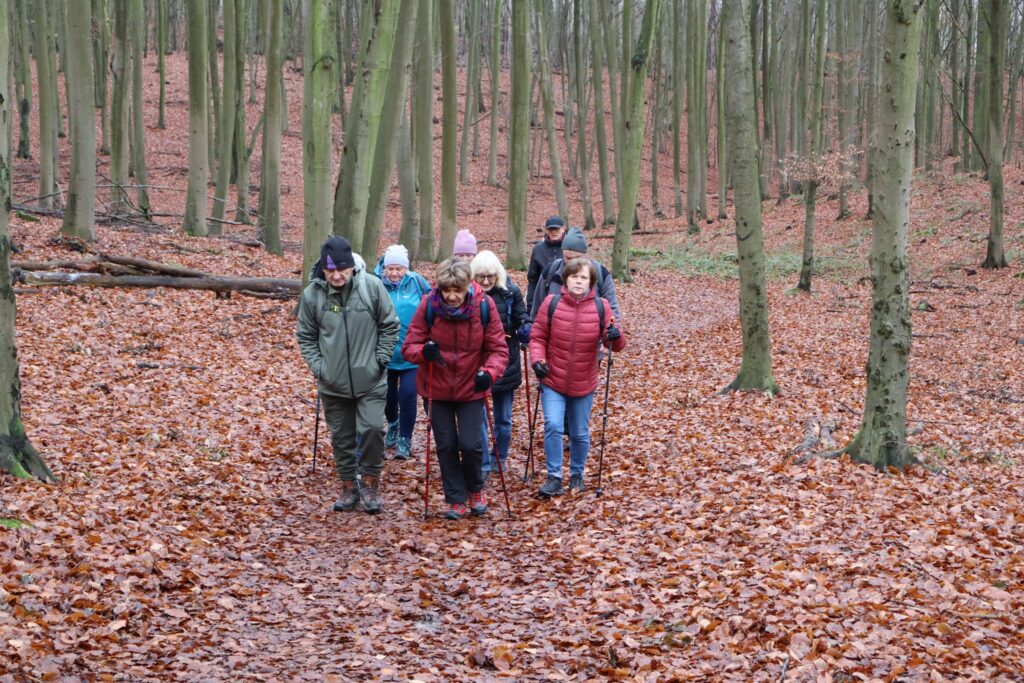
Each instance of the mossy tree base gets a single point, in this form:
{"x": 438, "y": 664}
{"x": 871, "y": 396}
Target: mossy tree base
{"x": 20, "y": 458}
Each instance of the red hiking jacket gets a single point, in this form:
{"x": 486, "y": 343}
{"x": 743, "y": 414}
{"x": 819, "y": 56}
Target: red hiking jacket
{"x": 465, "y": 348}
{"x": 571, "y": 344}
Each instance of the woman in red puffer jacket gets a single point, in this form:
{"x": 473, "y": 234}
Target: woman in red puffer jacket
{"x": 463, "y": 358}
{"x": 565, "y": 356}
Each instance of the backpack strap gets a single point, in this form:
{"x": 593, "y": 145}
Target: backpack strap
{"x": 485, "y": 314}
{"x": 555, "y": 298}
{"x": 597, "y": 304}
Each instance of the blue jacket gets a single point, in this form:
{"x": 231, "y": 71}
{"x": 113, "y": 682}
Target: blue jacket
{"x": 406, "y": 296}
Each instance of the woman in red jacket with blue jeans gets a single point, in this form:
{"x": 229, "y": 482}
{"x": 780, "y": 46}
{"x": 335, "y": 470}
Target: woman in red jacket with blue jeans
{"x": 465, "y": 358}
{"x": 566, "y": 354}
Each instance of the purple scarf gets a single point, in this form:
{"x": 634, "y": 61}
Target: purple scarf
{"x": 463, "y": 312}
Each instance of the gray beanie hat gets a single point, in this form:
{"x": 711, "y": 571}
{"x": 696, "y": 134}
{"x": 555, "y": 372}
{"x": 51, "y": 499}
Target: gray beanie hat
{"x": 574, "y": 240}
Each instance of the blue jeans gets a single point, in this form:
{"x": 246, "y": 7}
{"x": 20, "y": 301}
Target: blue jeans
{"x": 401, "y": 400}
{"x": 557, "y": 409}
{"x": 502, "y": 408}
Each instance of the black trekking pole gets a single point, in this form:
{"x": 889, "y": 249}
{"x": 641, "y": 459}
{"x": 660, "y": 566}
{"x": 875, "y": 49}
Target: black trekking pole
{"x": 497, "y": 455}
{"x": 316, "y": 429}
{"x": 426, "y": 464}
{"x": 604, "y": 423}
{"x": 533, "y": 424}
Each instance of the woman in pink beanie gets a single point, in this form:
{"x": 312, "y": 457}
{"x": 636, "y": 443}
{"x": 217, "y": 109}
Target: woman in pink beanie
{"x": 464, "y": 248}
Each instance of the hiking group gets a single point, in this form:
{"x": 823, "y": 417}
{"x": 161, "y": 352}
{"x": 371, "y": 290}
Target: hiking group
{"x": 375, "y": 341}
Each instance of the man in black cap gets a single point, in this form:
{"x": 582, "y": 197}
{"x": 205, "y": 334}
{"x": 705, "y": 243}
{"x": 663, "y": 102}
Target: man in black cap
{"x": 574, "y": 245}
{"x": 544, "y": 252}
{"x": 347, "y": 330}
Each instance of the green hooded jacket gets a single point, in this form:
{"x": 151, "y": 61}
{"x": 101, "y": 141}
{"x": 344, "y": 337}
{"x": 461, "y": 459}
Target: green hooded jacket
{"x": 347, "y": 336}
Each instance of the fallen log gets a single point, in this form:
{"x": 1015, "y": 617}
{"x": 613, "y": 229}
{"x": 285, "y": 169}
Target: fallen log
{"x": 144, "y": 264}
{"x": 259, "y": 285}
{"x": 90, "y": 264}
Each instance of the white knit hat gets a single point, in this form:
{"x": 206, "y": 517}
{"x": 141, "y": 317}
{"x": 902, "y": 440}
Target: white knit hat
{"x": 396, "y": 255}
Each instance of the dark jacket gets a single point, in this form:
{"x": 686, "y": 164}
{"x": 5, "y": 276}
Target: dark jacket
{"x": 465, "y": 348}
{"x": 544, "y": 252}
{"x": 571, "y": 345}
{"x": 551, "y": 283}
{"x": 346, "y": 335}
{"x": 511, "y": 308}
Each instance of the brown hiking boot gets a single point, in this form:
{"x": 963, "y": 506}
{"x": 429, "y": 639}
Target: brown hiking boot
{"x": 369, "y": 496}
{"x": 349, "y": 497}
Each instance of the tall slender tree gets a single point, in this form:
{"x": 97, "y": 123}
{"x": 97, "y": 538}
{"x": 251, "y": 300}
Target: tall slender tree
{"x": 24, "y": 77}
{"x": 422, "y": 129}
{"x": 449, "y": 118}
{"x": 816, "y": 143}
{"x": 548, "y": 103}
{"x": 194, "y": 222}
{"x": 996, "y": 15}
{"x": 17, "y": 454}
{"x": 756, "y": 367}
{"x": 519, "y": 135}
{"x": 79, "y": 216}
{"x": 269, "y": 228}
{"x": 226, "y": 120}
{"x": 120, "y": 131}
{"x": 137, "y": 143}
{"x": 318, "y": 82}
{"x": 600, "y": 136}
{"x": 161, "y": 51}
{"x": 392, "y": 114}
{"x": 495, "y": 76}
{"x": 580, "y": 82}
{"x": 47, "y": 105}
{"x": 882, "y": 437}
{"x": 633, "y": 136}
{"x": 471, "y": 102}
{"x": 696, "y": 114}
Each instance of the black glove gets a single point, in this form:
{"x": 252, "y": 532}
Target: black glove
{"x": 611, "y": 335}
{"x": 431, "y": 352}
{"x": 540, "y": 368}
{"x": 482, "y": 381}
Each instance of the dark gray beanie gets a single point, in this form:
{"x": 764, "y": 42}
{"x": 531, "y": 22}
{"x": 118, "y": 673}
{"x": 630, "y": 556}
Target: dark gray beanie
{"x": 574, "y": 240}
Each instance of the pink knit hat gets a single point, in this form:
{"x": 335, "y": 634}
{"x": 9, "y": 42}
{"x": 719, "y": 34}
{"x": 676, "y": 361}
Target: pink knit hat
{"x": 465, "y": 243}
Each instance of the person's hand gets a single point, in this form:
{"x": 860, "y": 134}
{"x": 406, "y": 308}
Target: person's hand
{"x": 540, "y": 368}
{"x": 611, "y": 335}
{"x": 431, "y": 352}
{"x": 482, "y": 381}
{"x": 524, "y": 333}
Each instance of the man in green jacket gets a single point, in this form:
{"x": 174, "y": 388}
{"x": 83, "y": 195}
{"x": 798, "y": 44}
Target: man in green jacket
{"x": 347, "y": 330}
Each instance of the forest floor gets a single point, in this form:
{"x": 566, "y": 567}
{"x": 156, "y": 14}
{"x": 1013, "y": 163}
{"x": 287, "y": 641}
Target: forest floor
{"x": 189, "y": 538}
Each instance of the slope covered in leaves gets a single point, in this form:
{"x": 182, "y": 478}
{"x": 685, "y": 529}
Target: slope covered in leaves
{"x": 190, "y": 540}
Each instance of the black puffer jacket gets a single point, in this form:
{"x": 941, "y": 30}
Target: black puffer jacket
{"x": 512, "y": 310}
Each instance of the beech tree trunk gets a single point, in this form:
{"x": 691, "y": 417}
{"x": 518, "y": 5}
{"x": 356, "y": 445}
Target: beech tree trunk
{"x": 882, "y": 437}
{"x": 47, "y": 105}
{"x": 269, "y": 231}
{"x": 79, "y": 216}
{"x": 633, "y": 121}
{"x": 17, "y": 455}
{"x": 194, "y": 222}
{"x": 137, "y": 143}
{"x": 226, "y": 119}
{"x": 696, "y": 115}
{"x": 756, "y": 368}
{"x": 519, "y": 136}
{"x": 317, "y": 140}
{"x": 449, "y": 120}
{"x": 547, "y": 100}
{"x": 422, "y": 130}
{"x": 811, "y": 193}
{"x": 997, "y": 15}
{"x": 25, "y": 79}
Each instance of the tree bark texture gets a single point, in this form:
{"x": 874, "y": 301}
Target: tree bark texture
{"x": 422, "y": 130}
{"x": 696, "y": 114}
{"x": 318, "y": 83}
{"x": 194, "y": 222}
{"x": 449, "y": 119}
{"x": 519, "y": 136}
{"x": 47, "y": 82}
{"x": 756, "y": 367}
{"x": 79, "y": 216}
{"x": 882, "y": 438}
{"x": 269, "y": 231}
{"x": 996, "y": 14}
{"x": 17, "y": 455}
{"x": 633, "y": 120}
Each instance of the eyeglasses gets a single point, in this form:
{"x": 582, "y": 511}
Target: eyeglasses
{"x": 486, "y": 276}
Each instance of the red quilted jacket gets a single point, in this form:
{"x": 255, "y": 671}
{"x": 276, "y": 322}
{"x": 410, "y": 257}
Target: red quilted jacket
{"x": 465, "y": 348}
{"x": 571, "y": 344}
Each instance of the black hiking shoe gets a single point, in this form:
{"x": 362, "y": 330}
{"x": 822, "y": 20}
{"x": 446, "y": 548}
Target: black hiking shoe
{"x": 369, "y": 496}
{"x": 576, "y": 483}
{"x": 349, "y": 497}
{"x": 552, "y": 487}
